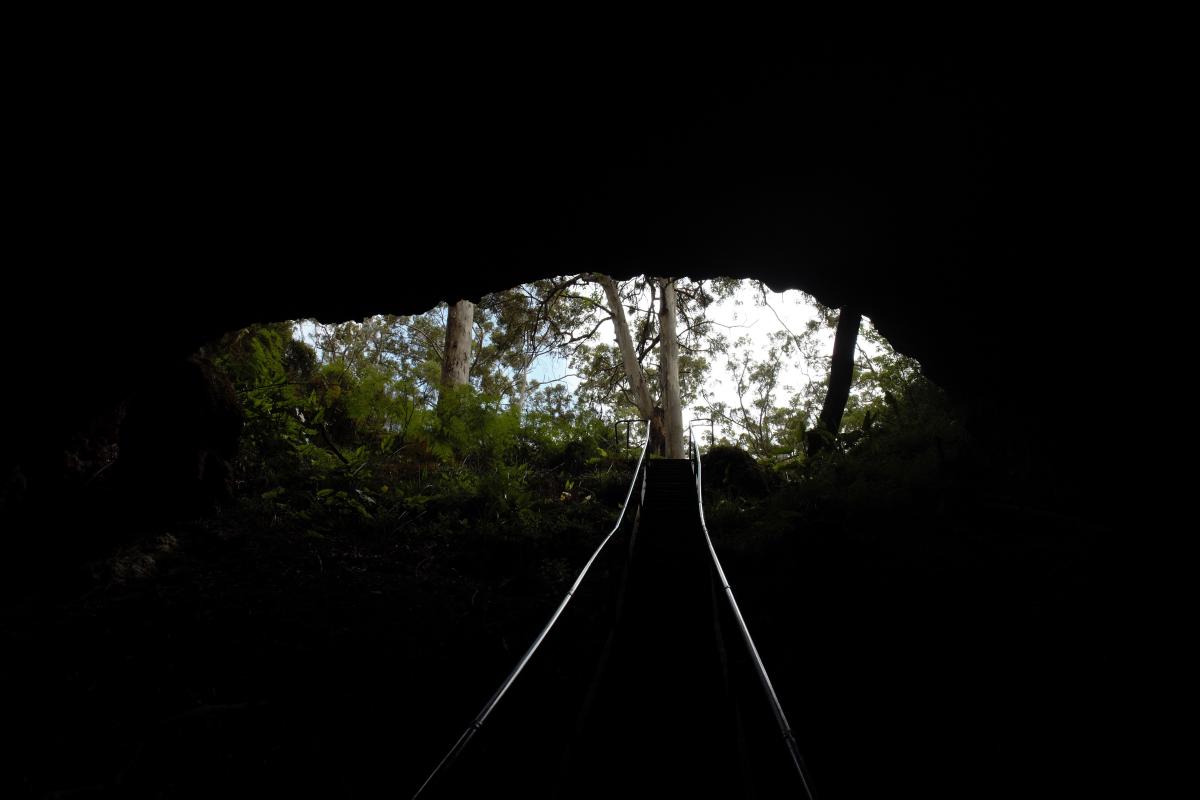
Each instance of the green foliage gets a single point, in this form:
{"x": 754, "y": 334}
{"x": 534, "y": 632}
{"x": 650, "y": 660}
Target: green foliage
{"x": 354, "y": 433}
{"x": 771, "y": 420}
{"x": 467, "y": 425}
{"x": 347, "y": 425}
{"x": 271, "y": 374}
{"x": 730, "y": 472}
{"x": 913, "y": 468}
{"x": 908, "y": 457}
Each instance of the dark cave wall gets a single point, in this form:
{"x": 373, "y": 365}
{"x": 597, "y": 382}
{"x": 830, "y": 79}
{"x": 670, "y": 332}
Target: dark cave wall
{"x": 948, "y": 190}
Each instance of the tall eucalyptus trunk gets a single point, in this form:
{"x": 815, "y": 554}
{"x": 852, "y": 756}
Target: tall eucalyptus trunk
{"x": 668, "y": 370}
{"x": 638, "y": 385}
{"x": 456, "y": 357}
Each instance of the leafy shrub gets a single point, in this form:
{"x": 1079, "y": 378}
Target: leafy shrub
{"x": 731, "y": 471}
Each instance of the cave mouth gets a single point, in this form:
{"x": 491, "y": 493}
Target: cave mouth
{"x": 257, "y": 406}
{"x": 361, "y": 422}
{"x": 312, "y": 534}
{"x": 752, "y": 368}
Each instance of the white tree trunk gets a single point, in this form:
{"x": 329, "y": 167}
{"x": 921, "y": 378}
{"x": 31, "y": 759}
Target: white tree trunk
{"x": 456, "y": 358}
{"x": 633, "y": 370}
{"x": 668, "y": 368}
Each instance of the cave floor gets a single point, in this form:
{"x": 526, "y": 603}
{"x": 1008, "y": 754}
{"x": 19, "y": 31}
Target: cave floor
{"x": 217, "y": 659}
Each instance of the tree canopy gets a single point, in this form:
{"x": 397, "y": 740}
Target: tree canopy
{"x": 360, "y": 416}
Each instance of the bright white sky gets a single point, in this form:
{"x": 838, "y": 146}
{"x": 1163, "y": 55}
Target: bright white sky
{"x": 744, "y": 315}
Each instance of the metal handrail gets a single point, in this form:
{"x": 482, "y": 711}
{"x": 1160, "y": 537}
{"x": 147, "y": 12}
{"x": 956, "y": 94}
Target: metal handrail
{"x": 764, "y": 679}
{"x": 628, "y": 422}
{"x": 491, "y": 704}
{"x": 712, "y": 428}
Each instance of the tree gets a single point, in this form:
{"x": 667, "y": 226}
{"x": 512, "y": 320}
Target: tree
{"x": 513, "y": 339}
{"x": 841, "y": 377}
{"x": 641, "y": 373}
{"x": 768, "y": 424}
{"x": 668, "y": 365}
{"x": 761, "y": 426}
{"x": 456, "y": 358}
{"x": 638, "y": 384}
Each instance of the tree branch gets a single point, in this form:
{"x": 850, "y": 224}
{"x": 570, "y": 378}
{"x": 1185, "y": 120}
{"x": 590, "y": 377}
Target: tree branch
{"x": 762, "y": 287}
{"x": 563, "y": 378}
{"x": 867, "y": 359}
{"x": 329, "y": 441}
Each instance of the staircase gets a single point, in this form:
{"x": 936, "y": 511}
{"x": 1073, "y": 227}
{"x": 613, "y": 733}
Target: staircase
{"x": 670, "y": 491}
{"x": 647, "y": 689}
{"x": 661, "y": 724}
